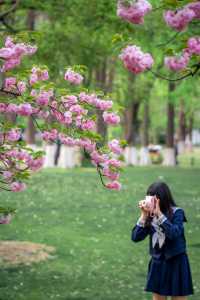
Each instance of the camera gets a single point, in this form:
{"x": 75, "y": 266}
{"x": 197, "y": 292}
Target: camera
{"x": 149, "y": 204}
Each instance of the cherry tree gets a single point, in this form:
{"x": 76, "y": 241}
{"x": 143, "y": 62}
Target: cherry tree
{"x": 180, "y": 63}
{"x": 72, "y": 111}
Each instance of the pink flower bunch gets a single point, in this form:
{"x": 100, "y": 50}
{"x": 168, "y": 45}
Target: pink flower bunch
{"x": 50, "y": 135}
{"x": 180, "y": 19}
{"x": 68, "y": 101}
{"x": 25, "y": 109}
{"x": 21, "y": 86}
{"x": 178, "y": 63}
{"x": 43, "y": 97}
{"x": 73, "y": 77}
{"x": 5, "y": 219}
{"x": 135, "y": 60}
{"x": 17, "y": 186}
{"x": 115, "y": 147}
{"x": 38, "y": 75}
{"x": 12, "y": 53}
{"x": 36, "y": 164}
{"x": 70, "y": 111}
{"x": 88, "y": 125}
{"x": 193, "y": 45}
{"x": 13, "y": 135}
{"x": 87, "y": 144}
{"x": 110, "y": 174}
{"x": 135, "y": 11}
{"x": 67, "y": 140}
{"x": 195, "y": 6}
{"x": 111, "y": 118}
{"x": 10, "y": 83}
{"x": 114, "y": 185}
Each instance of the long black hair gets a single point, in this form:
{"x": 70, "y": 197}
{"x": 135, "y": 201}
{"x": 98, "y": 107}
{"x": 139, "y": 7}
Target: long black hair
{"x": 162, "y": 191}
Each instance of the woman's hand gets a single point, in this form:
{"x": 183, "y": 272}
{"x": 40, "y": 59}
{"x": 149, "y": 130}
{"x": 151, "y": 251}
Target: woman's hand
{"x": 144, "y": 212}
{"x": 157, "y": 211}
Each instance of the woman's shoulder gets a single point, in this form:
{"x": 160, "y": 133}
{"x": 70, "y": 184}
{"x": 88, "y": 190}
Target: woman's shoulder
{"x": 180, "y": 210}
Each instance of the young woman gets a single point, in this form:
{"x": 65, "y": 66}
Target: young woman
{"x": 169, "y": 270}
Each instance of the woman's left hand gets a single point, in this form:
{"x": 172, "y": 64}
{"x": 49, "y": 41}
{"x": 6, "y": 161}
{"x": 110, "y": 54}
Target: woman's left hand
{"x": 157, "y": 210}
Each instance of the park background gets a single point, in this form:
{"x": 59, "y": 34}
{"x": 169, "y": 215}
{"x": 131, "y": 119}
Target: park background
{"x": 85, "y": 229}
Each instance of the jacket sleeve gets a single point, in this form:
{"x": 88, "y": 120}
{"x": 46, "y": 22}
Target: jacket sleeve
{"x": 173, "y": 229}
{"x": 139, "y": 232}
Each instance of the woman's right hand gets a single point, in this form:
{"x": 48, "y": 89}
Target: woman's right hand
{"x": 144, "y": 212}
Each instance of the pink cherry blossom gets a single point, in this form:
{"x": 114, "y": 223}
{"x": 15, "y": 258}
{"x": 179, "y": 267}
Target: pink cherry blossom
{"x": 88, "y": 125}
{"x": 7, "y": 174}
{"x": 77, "y": 109}
{"x": 73, "y": 77}
{"x": 25, "y": 109}
{"x": 69, "y": 100}
{"x": 174, "y": 63}
{"x": 33, "y": 79}
{"x": 68, "y": 117}
{"x": 135, "y": 60}
{"x": 134, "y": 12}
{"x": 87, "y": 144}
{"x": 115, "y": 185}
{"x": 109, "y": 174}
{"x": 38, "y": 75}
{"x": 12, "y": 53}
{"x": 98, "y": 158}
{"x": 2, "y": 107}
{"x": 195, "y": 6}
{"x": 10, "y": 83}
{"x": 115, "y": 147}
{"x": 5, "y": 219}
{"x": 194, "y": 45}
{"x": 180, "y": 19}
{"x": 67, "y": 140}
{"x": 36, "y": 164}
{"x": 44, "y": 97}
{"x": 91, "y": 99}
{"x": 114, "y": 163}
{"x": 104, "y": 105}
{"x": 12, "y": 108}
{"x": 21, "y": 86}
{"x": 50, "y": 135}
{"x": 13, "y": 135}
{"x": 17, "y": 186}
{"x": 111, "y": 118}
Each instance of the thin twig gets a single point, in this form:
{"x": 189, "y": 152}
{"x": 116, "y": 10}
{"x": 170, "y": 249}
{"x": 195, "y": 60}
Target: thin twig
{"x": 13, "y": 8}
{"x": 179, "y": 78}
{"x": 169, "y": 41}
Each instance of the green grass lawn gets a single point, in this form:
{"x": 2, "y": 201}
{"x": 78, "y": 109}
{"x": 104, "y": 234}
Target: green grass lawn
{"x": 90, "y": 228}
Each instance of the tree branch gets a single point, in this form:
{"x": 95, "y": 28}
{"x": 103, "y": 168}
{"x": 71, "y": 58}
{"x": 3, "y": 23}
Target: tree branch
{"x": 10, "y": 10}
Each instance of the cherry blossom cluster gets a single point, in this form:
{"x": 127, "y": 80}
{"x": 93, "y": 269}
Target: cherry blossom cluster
{"x": 12, "y": 53}
{"x": 180, "y": 19}
{"x": 178, "y": 63}
{"x": 135, "y": 60}
{"x": 73, "y": 77}
{"x": 135, "y": 11}
{"x": 73, "y": 122}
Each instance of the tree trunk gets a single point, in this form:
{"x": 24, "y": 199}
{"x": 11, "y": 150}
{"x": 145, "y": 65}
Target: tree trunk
{"x": 181, "y": 129}
{"x": 30, "y": 131}
{"x": 104, "y": 76}
{"x": 188, "y": 140}
{"x": 144, "y": 152}
{"x": 131, "y": 131}
{"x": 170, "y": 153}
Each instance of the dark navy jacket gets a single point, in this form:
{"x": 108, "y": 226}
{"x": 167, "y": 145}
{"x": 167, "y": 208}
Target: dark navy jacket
{"x": 174, "y": 231}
